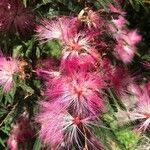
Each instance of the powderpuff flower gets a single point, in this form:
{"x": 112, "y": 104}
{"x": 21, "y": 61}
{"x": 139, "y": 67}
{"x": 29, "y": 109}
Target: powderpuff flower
{"x": 50, "y": 119}
{"x": 58, "y": 126}
{"x": 118, "y": 25}
{"x": 8, "y": 67}
{"x": 79, "y": 48}
{"x": 126, "y": 46}
{"x": 77, "y": 43}
{"x": 12, "y": 143}
{"x": 15, "y": 17}
{"x": 90, "y": 18}
{"x": 142, "y": 110}
{"x": 125, "y": 52}
{"x": 116, "y": 9}
{"x": 20, "y": 132}
{"x": 120, "y": 81}
{"x": 79, "y": 91}
{"x": 93, "y": 19}
{"x": 58, "y": 28}
{"x": 73, "y": 63}
{"x": 132, "y": 38}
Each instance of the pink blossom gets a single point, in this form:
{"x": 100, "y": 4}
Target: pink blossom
{"x": 58, "y": 126}
{"x": 93, "y": 19}
{"x": 147, "y": 87}
{"x": 59, "y": 28}
{"x": 85, "y": 61}
{"x": 51, "y": 120}
{"x": 126, "y": 46}
{"x": 79, "y": 48}
{"x": 120, "y": 81}
{"x": 76, "y": 43}
{"x": 142, "y": 111}
{"x": 20, "y": 132}
{"x": 125, "y": 52}
{"x": 90, "y": 18}
{"x": 118, "y": 25}
{"x": 116, "y": 9}
{"x": 132, "y": 38}
{"x": 12, "y": 143}
{"x": 15, "y": 17}
{"x": 8, "y": 67}
{"x": 79, "y": 91}
{"x": 135, "y": 89}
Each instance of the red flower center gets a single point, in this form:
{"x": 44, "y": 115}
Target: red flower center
{"x": 74, "y": 46}
{"x": 78, "y": 91}
{"x": 77, "y": 120}
{"x": 147, "y": 115}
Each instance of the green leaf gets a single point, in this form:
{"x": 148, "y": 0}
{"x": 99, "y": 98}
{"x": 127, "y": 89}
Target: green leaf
{"x": 2, "y": 142}
{"x": 4, "y": 130}
{"x": 146, "y": 57}
{"x": 54, "y": 48}
{"x": 37, "y": 144}
{"x": 26, "y": 87}
{"x": 2, "y": 112}
{"x": 116, "y": 99}
{"x": 38, "y": 53}
{"x": 17, "y": 51}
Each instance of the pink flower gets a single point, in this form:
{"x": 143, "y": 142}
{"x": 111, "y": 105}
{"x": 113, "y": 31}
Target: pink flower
{"x": 90, "y": 18}
{"x": 77, "y": 42}
{"x": 73, "y": 63}
{"x": 126, "y": 40}
{"x": 142, "y": 111}
{"x": 12, "y": 143}
{"x": 118, "y": 25}
{"x": 135, "y": 89}
{"x": 120, "y": 81}
{"x": 78, "y": 48}
{"x": 58, "y": 126}
{"x": 79, "y": 91}
{"x": 116, "y": 9}
{"x": 59, "y": 28}
{"x": 126, "y": 46}
{"x": 125, "y": 52}
{"x": 20, "y": 132}
{"x": 15, "y": 17}
{"x": 8, "y": 67}
{"x": 132, "y": 38}
{"x": 51, "y": 120}
{"x": 93, "y": 19}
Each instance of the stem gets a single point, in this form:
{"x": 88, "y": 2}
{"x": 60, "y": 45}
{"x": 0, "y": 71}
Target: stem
{"x": 8, "y": 115}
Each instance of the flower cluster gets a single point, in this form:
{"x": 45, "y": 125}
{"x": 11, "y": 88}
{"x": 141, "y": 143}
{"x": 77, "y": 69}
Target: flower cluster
{"x": 74, "y": 87}
{"x": 126, "y": 40}
{"x": 89, "y": 85}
